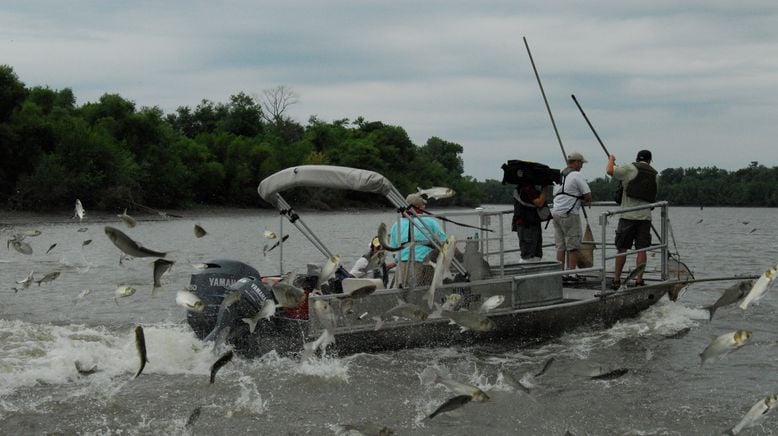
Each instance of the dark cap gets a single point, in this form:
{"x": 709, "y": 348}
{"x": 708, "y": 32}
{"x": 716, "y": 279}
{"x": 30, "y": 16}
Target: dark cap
{"x": 643, "y": 156}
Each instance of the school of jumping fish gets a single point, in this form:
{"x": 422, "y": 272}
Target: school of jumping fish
{"x": 745, "y": 293}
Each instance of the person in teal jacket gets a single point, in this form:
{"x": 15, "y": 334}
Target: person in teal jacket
{"x": 422, "y": 246}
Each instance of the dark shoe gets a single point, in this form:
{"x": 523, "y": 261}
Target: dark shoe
{"x": 615, "y": 284}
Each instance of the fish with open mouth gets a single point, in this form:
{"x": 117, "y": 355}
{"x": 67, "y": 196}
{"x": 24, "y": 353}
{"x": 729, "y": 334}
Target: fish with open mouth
{"x": 724, "y": 344}
{"x": 436, "y": 192}
{"x": 189, "y": 301}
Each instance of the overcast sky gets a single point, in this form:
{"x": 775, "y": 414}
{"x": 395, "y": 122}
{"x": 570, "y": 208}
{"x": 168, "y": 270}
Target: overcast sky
{"x": 696, "y": 82}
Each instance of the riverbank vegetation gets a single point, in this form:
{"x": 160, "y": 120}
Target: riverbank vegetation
{"x": 111, "y": 155}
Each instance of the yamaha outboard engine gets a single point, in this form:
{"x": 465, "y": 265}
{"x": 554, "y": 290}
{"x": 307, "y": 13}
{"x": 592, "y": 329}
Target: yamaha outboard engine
{"x": 218, "y": 278}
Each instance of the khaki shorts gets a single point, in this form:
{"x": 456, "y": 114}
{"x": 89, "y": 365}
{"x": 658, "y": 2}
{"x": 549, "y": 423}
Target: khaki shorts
{"x": 567, "y": 232}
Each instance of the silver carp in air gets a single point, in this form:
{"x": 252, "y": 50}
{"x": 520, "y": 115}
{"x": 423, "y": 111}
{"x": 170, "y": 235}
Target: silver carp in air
{"x": 325, "y": 314}
{"x": 287, "y": 295}
{"x": 268, "y": 310}
{"x": 199, "y": 231}
{"x": 128, "y": 246}
{"x": 436, "y": 192}
{"x": 190, "y": 301}
{"x": 731, "y": 295}
{"x": 402, "y": 310}
{"x": 127, "y": 220}
{"x": 383, "y": 238}
{"x": 121, "y": 292}
{"x": 80, "y": 213}
{"x": 27, "y": 281}
{"x": 491, "y": 303}
{"x": 50, "y": 277}
{"x": 461, "y": 388}
{"x": 760, "y": 287}
{"x": 451, "y": 404}
{"x": 442, "y": 266}
{"x": 755, "y": 415}
{"x": 328, "y": 270}
{"x": 269, "y": 234}
{"x": 468, "y": 320}
{"x": 161, "y": 266}
{"x": 140, "y": 344}
{"x": 724, "y": 344}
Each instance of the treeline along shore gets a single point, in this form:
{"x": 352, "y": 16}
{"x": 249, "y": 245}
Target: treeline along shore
{"x": 113, "y": 155}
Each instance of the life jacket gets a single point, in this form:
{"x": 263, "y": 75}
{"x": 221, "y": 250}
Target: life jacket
{"x": 643, "y": 186}
{"x": 565, "y": 173}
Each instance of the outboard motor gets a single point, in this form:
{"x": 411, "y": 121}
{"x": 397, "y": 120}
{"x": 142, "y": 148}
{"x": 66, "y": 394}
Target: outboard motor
{"x": 217, "y": 278}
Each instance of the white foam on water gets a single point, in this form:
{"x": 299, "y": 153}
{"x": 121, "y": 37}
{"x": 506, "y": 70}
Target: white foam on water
{"x": 249, "y": 401}
{"x": 32, "y": 354}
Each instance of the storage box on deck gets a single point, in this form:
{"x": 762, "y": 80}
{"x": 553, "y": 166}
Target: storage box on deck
{"x": 538, "y": 290}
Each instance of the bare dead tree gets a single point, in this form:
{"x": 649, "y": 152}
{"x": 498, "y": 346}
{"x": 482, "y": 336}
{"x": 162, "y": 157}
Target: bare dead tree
{"x": 276, "y": 101}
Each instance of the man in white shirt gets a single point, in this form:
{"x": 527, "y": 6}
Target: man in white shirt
{"x": 569, "y": 195}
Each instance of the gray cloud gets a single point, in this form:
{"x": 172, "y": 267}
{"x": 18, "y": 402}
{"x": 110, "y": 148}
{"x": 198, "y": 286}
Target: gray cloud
{"x": 694, "y": 81}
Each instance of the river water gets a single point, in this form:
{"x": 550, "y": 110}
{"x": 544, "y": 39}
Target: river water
{"x": 45, "y": 329}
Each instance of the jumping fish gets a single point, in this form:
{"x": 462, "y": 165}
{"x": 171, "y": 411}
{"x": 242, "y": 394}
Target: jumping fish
{"x": 328, "y": 269}
{"x": 279, "y": 242}
{"x": 199, "y": 231}
{"x": 610, "y": 375}
{"x": 269, "y": 234}
{"x": 468, "y": 320}
{"x": 161, "y": 266}
{"x": 85, "y": 243}
{"x": 760, "y": 287}
{"x": 678, "y": 271}
{"x": 325, "y": 339}
{"x": 128, "y": 246}
{"x": 442, "y": 265}
{"x": 123, "y": 291}
{"x": 127, "y": 220}
{"x": 80, "y": 213}
{"x": 140, "y": 344}
{"x": 731, "y": 295}
{"x": 287, "y": 295}
{"x": 724, "y": 345}
{"x": 48, "y": 277}
{"x": 223, "y": 360}
{"x": 27, "y": 281}
{"x": 451, "y": 404}
{"x": 228, "y": 300}
{"x": 402, "y": 310}
{"x": 436, "y": 192}
{"x": 190, "y": 301}
{"x": 51, "y": 247}
{"x": 491, "y": 303}
{"x": 458, "y": 387}
{"x": 268, "y": 310}
{"x": 514, "y": 383}
{"x": 325, "y": 314}
{"x": 755, "y": 415}
{"x": 193, "y": 417}
{"x": 22, "y": 247}
{"x": 32, "y": 233}
{"x": 638, "y": 271}
{"x": 383, "y": 238}
{"x": 366, "y": 428}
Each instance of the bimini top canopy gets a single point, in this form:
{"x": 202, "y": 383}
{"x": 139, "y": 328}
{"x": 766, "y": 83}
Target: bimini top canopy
{"x": 323, "y": 176}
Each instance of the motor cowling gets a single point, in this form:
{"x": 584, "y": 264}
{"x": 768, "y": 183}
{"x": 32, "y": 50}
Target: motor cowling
{"x": 216, "y": 278}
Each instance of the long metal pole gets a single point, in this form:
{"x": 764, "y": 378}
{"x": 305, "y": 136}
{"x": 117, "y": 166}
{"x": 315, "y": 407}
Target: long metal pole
{"x": 548, "y": 108}
{"x": 590, "y": 125}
